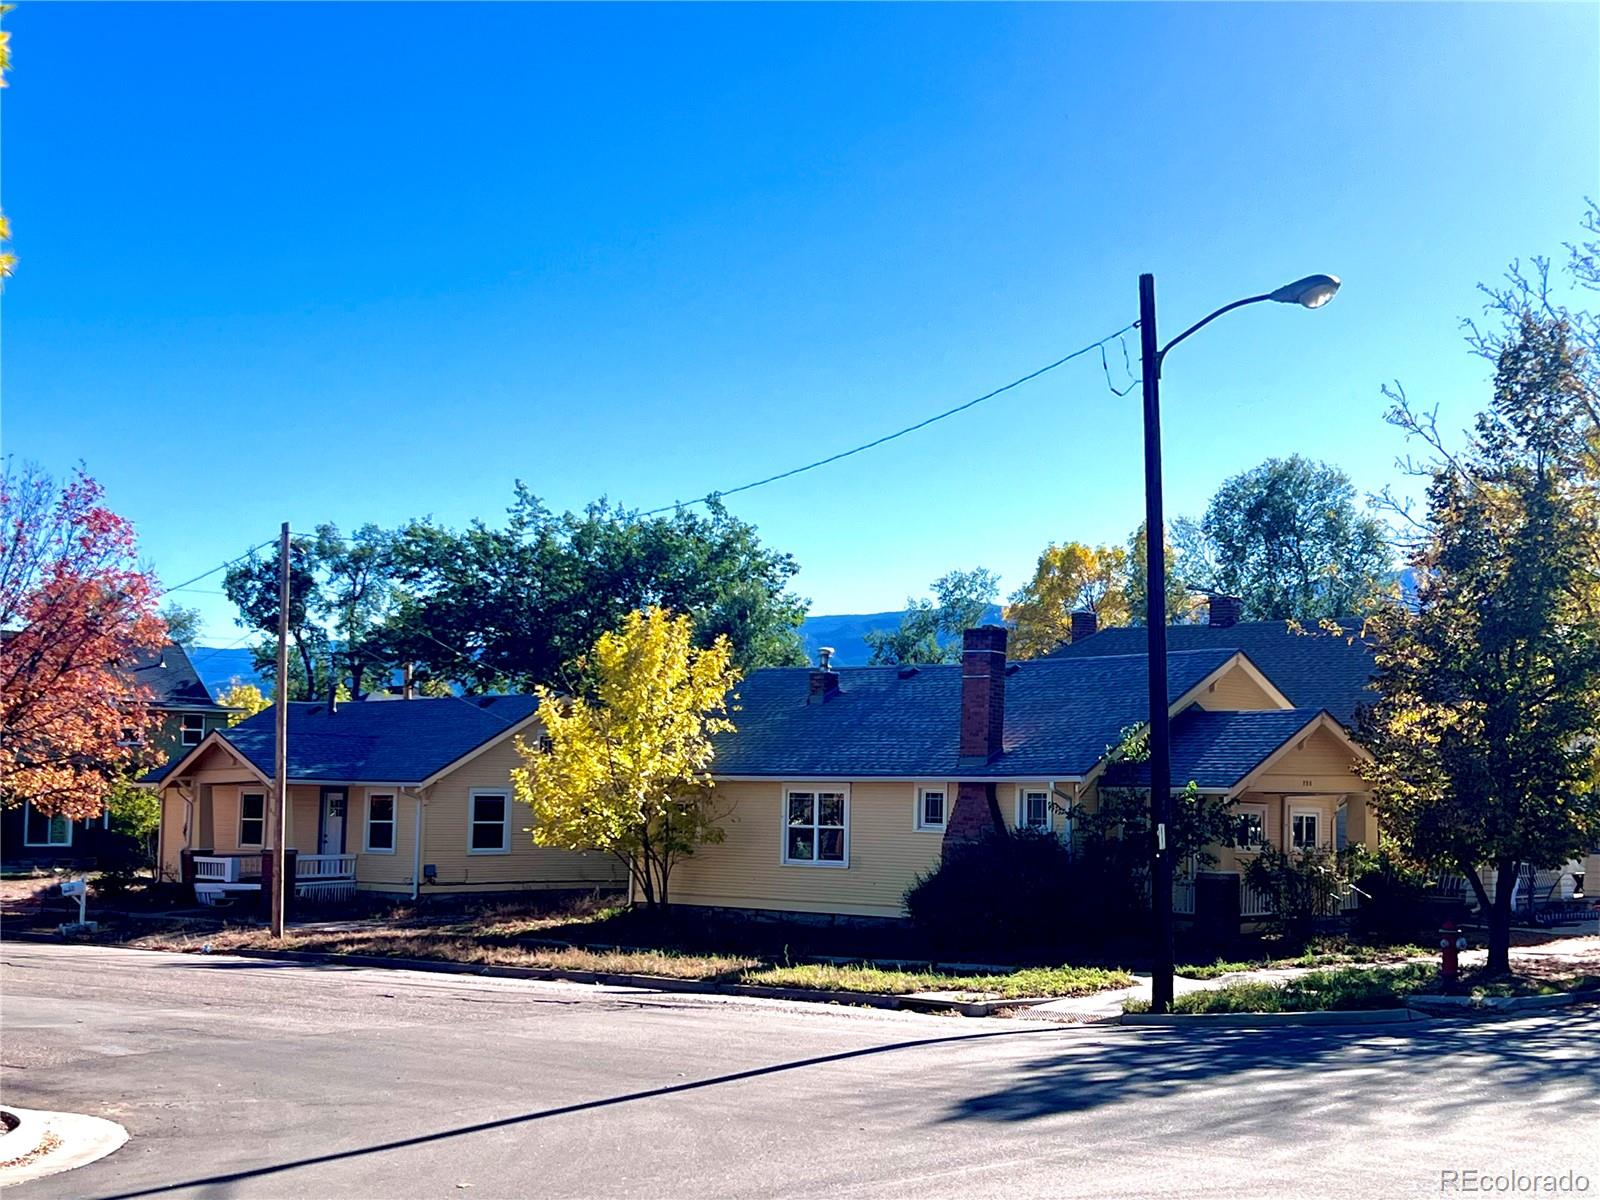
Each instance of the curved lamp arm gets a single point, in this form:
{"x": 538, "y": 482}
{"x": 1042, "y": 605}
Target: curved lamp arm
{"x": 1204, "y": 321}
{"x": 1311, "y": 292}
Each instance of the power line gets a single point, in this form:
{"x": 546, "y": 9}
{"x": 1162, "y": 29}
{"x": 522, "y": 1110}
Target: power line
{"x": 899, "y": 433}
{"x": 219, "y": 567}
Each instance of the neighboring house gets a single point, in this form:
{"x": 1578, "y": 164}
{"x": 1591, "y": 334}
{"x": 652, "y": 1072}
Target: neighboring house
{"x": 403, "y": 796}
{"x": 1314, "y": 666}
{"x": 839, "y": 788}
{"x": 187, "y": 713}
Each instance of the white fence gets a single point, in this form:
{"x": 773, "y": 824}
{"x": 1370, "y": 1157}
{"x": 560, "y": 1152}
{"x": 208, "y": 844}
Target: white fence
{"x": 324, "y": 866}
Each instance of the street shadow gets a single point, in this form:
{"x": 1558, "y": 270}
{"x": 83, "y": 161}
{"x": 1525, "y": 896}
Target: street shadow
{"x": 1557, "y": 1062}
{"x": 232, "y": 1177}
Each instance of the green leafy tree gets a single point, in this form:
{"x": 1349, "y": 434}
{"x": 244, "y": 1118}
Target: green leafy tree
{"x": 515, "y": 605}
{"x": 252, "y": 586}
{"x": 1182, "y": 603}
{"x": 1486, "y": 733}
{"x": 183, "y": 624}
{"x": 930, "y": 630}
{"x": 627, "y": 771}
{"x": 1289, "y": 538}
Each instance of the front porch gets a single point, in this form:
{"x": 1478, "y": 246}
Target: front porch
{"x": 226, "y": 879}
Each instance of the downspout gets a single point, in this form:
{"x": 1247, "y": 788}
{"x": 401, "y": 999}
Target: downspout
{"x": 416, "y": 852}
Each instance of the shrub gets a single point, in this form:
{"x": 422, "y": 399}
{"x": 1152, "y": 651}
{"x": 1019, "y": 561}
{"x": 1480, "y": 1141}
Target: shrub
{"x": 1004, "y": 893}
{"x": 1393, "y": 898}
{"x": 1302, "y": 887}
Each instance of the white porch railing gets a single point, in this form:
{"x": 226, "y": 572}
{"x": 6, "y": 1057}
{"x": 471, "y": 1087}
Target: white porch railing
{"x": 227, "y": 868}
{"x": 308, "y": 867}
{"x": 1253, "y": 903}
{"x": 1183, "y": 897}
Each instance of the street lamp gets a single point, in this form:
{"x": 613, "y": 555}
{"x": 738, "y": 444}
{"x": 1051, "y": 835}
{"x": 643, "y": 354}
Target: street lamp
{"x": 1311, "y": 292}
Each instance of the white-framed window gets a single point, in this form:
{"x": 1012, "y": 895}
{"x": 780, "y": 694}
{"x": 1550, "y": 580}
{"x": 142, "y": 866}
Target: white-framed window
{"x": 193, "y": 730}
{"x": 40, "y": 830}
{"x": 252, "y": 818}
{"x": 1033, "y": 807}
{"x": 933, "y": 807}
{"x": 1304, "y": 825}
{"x": 1252, "y": 827}
{"x": 489, "y": 821}
{"x": 816, "y": 825}
{"x": 380, "y": 823}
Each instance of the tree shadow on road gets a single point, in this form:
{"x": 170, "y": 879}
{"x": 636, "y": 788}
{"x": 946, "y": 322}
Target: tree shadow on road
{"x": 1556, "y": 1062}
{"x": 213, "y": 1182}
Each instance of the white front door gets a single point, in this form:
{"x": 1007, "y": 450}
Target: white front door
{"x": 333, "y": 807}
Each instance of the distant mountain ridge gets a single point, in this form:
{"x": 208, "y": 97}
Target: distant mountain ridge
{"x": 845, "y": 632}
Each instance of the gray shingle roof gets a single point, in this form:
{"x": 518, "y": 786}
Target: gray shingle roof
{"x": 1218, "y": 749}
{"x": 1061, "y": 716}
{"x": 1315, "y": 669}
{"x": 171, "y": 680}
{"x": 379, "y": 741}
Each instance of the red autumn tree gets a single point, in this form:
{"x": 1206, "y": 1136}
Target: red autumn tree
{"x": 75, "y": 610}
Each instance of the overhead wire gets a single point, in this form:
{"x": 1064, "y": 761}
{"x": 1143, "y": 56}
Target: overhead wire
{"x": 899, "y": 433}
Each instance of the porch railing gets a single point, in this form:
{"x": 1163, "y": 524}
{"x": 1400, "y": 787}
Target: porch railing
{"x": 309, "y": 867}
{"x": 227, "y": 868}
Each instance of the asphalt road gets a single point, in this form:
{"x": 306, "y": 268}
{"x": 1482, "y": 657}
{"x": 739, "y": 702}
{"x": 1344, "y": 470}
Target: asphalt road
{"x": 247, "y": 1078}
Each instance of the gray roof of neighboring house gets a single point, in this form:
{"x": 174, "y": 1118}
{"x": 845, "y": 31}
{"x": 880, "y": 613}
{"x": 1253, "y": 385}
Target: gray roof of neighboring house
{"x": 1315, "y": 669}
{"x": 377, "y": 741}
{"x": 1061, "y": 717}
{"x": 1217, "y": 750}
{"x": 171, "y": 680}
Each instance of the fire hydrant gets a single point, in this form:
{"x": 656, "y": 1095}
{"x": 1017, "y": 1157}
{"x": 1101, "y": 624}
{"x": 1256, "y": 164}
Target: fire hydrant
{"x": 1451, "y": 943}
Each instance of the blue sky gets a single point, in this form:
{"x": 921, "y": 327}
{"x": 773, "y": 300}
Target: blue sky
{"x": 367, "y": 262}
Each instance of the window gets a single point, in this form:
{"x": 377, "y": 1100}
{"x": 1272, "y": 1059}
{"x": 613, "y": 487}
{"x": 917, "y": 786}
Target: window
{"x": 1033, "y": 808}
{"x": 252, "y": 818}
{"x": 380, "y": 824}
{"x": 40, "y": 830}
{"x": 1252, "y": 828}
{"x": 1303, "y": 829}
{"x": 931, "y": 808}
{"x": 814, "y": 827}
{"x": 194, "y": 729}
{"x": 490, "y": 815}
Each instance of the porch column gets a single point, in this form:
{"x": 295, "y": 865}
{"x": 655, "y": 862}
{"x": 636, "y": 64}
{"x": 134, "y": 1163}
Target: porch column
{"x": 205, "y": 837}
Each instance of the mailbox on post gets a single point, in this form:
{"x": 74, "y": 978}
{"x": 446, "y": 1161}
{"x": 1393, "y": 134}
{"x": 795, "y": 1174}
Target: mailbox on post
{"x": 78, "y": 890}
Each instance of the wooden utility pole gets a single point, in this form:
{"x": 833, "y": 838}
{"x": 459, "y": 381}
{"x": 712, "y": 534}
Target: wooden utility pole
{"x": 280, "y": 757}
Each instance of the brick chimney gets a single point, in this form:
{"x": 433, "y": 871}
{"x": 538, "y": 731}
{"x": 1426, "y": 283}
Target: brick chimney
{"x": 983, "y": 692}
{"x": 1084, "y": 624}
{"x": 976, "y": 811}
{"x": 1225, "y": 611}
{"x": 824, "y": 680}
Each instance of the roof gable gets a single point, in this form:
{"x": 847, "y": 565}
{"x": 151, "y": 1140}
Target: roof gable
{"x": 1314, "y": 668}
{"x": 1061, "y": 718}
{"x": 395, "y": 741}
{"x": 170, "y": 678}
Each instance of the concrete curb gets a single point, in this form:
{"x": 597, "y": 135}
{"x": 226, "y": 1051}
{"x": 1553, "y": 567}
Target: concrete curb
{"x": 1364, "y": 1016}
{"x": 1451, "y": 1005}
{"x": 84, "y": 1139}
{"x": 913, "y": 1001}
{"x": 23, "y": 1138}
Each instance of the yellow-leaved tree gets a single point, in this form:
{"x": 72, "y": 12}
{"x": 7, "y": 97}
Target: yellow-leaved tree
{"x": 246, "y": 700}
{"x": 1072, "y": 577}
{"x": 626, "y": 770}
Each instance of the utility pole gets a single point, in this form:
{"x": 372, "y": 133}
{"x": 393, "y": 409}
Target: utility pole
{"x": 1155, "y": 546}
{"x": 280, "y": 758}
{"x": 1311, "y": 292}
